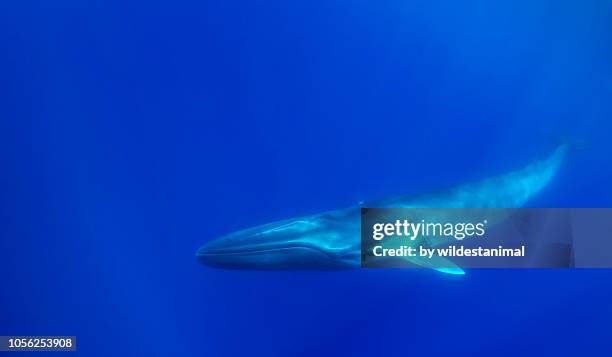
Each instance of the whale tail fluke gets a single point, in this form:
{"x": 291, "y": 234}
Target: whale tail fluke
{"x": 571, "y": 143}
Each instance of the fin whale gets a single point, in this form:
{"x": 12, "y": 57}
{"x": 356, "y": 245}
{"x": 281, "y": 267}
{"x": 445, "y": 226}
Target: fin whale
{"x": 331, "y": 240}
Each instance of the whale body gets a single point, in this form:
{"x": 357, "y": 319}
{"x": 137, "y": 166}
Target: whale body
{"x": 331, "y": 240}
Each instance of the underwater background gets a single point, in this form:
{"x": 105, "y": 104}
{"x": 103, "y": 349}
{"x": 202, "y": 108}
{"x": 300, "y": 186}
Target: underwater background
{"x": 132, "y": 132}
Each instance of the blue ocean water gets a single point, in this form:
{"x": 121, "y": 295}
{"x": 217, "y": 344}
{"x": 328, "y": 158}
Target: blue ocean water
{"x": 132, "y": 132}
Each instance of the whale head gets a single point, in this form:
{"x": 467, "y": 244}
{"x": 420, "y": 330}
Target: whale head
{"x": 322, "y": 241}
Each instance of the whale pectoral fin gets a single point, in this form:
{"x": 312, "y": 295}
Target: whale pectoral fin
{"x": 438, "y": 263}
{"x": 453, "y": 271}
